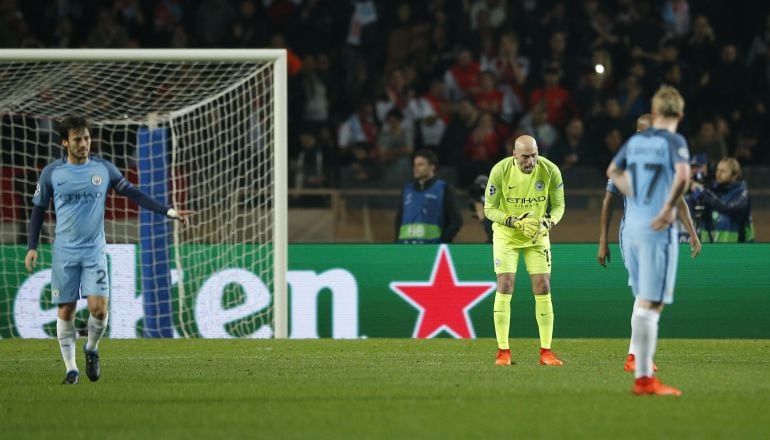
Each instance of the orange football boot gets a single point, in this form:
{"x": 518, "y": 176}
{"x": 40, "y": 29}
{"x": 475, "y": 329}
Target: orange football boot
{"x": 652, "y": 386}
{"x": 548, "y": 358}
{"x": 503, "y": 357}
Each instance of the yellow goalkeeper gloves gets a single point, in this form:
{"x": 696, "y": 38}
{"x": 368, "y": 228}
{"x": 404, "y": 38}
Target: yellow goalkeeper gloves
{"x": 544, "y": 227}
{"x": 531, "y": 227}
{"x": 527, "y": 225}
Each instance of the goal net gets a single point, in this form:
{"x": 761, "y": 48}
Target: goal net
{"x": 201, "y": 130}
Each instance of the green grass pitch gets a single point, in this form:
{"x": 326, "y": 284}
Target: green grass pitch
{"x": 382, "y": 388}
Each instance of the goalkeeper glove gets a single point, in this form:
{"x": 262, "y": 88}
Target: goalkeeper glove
{"x": 511, "y": 220}
{"x": 543, "y": 227}
{"x": 547, "y": 222}
{"x": 528, "y": 226}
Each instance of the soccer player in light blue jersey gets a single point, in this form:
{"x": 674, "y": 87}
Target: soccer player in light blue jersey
{"x": 603, "y": 253}
{"x": 78, "y": 185}
{"x": 652, "y": 170}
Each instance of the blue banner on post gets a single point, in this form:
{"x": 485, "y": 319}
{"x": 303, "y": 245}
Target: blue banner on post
{"x": 155, "y": 234}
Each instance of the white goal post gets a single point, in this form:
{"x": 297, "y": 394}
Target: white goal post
{"x": 200, "y": 129}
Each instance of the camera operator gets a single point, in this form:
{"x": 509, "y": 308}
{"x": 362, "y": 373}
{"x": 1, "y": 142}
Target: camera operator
{"x": 727, "y": 206}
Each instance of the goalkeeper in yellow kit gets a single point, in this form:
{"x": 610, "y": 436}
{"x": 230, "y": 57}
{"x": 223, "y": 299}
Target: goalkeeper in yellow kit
{"x": 524, "y": 200}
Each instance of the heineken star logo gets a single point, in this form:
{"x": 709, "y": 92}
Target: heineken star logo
{"x": 444, "y": 302}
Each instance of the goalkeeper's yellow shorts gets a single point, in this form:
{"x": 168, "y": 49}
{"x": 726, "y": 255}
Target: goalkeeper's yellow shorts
{"x": 537, "y": 258}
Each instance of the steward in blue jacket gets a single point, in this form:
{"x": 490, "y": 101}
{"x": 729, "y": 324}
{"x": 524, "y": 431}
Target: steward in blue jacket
{"x": 428, "y": 212}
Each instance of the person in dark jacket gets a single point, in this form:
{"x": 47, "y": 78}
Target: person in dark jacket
{"x": 727, "y": 216}
{"x": 428, "y": 212}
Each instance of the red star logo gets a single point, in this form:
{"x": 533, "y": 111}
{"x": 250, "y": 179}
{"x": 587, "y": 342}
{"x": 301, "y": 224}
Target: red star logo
{"x": 443, "y": 301}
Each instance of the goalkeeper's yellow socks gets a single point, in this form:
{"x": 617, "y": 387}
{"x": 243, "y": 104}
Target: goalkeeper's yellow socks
{"x": 502, "y": 317}
{"x": 544, "y": 316}
{"x": 67, "y": 335}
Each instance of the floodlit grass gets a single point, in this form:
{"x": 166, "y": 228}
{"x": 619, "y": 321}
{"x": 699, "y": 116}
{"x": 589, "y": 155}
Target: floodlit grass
{"x": 381, "y": 388}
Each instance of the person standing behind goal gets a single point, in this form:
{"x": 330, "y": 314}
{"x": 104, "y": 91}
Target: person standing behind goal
{"x": 524, "y": 200}
{"x": 652, "y": 170}
{"x": 78, "y": 185}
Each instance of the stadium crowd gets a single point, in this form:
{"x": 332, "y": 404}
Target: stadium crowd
{"x": 373, "y": 80}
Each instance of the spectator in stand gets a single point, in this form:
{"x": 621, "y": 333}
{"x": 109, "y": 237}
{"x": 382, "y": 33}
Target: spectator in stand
{"x": 458, "y": 131}
{"x": 483, "y": 40}
{"x": 482, "y": 149}
{"x": 645, "y": 33}
{"x": 440, "y": 55}
{"x": 605, "y": 34}
{"x": 361, "y": 85}
{"x": 359, "y": 129}
{"x": 495, "y": 11}
{"x": 462, "y": 78}
{"x": 727, "y": 218}
{"x": 561, "y": 59}
{"x": 400, "y": 36}
{"x": 557, "y": 99}
{"x": 709, "y": 142}
{"x": 632, "y": 99}
{"x": 396, "y": 94}
{"x": 572, "y": 149}
{"x": 727, "y": 87}
{"x": 511, "y": 71}
{"x": 394, "y": 145}
{"x": 701, "y": 46}
{"x": 748, "y": 149}
{"x": 430, "y": 130}
{"x": 676, "y": 17}
{"x": 535, "y": 123}
{"x": 611, "y": 118}
{"x": 315, "y": 111}
{"x": 591, "y": 96}
{"x": 489, "y": 99}
{"x": 434, "y": 99}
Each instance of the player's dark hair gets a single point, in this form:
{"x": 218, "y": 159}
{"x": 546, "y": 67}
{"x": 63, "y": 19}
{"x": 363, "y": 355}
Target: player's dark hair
{"x": 76, "y": 123}
{"x": 427, "y": 155}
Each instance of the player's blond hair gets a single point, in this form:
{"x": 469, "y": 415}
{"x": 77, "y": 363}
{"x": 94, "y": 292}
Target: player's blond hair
{"x": 668, "y": 102}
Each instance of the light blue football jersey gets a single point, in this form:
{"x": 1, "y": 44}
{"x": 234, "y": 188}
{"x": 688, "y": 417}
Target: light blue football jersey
{"x": 79, "y": 194}
{"x": 650, "y": 157}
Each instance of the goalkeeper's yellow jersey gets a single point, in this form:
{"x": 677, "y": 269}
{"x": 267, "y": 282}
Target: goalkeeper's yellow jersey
{"x": 511, "y": 191}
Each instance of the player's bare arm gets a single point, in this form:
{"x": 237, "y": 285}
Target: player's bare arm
{"x": 603, "y": 254}
{"x": 683, "y": 212}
